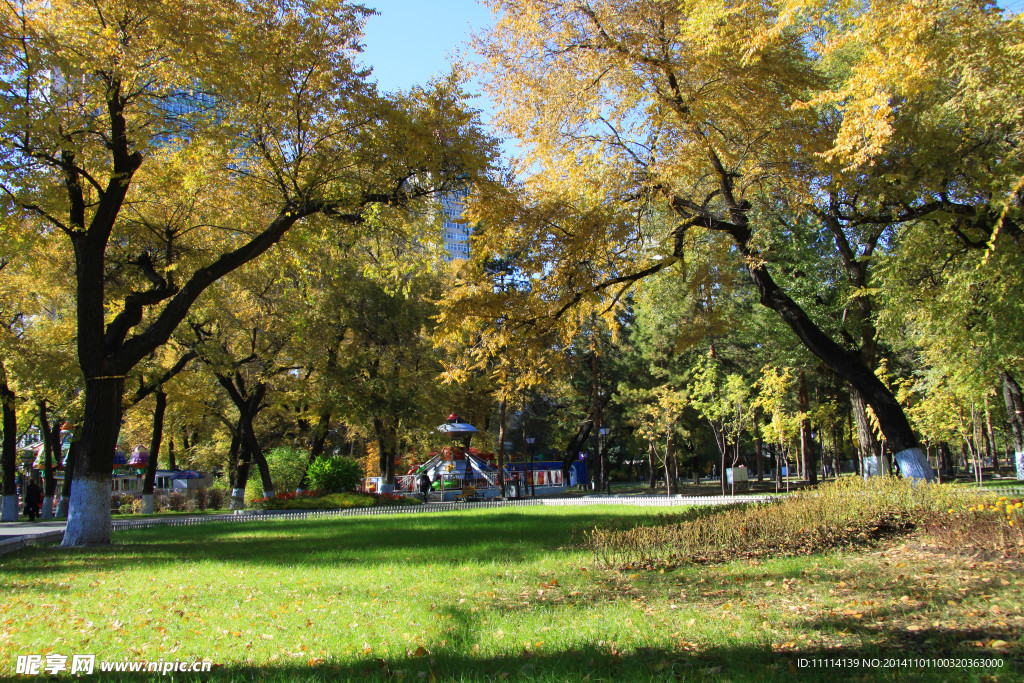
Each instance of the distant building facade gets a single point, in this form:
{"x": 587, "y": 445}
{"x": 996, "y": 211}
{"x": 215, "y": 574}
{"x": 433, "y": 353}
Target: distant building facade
{"x": 456, "y": 234}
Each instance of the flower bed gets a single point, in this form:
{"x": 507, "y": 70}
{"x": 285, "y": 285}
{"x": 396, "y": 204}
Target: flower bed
{"x": 320, "y": 500}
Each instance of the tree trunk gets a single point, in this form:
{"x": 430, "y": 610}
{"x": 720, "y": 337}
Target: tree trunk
{"x": 172, "y": 463}
{"x": 867, "y": 446}
{"x": 69, "y": 477}
{"x": 248, "y": 406}
{"x": 234, "y": 452}
{"x": 386, "y": 444}
{"x": 807, "y": 455}
{"x": 9, "y": 449}
{"x": 651, "y": 474}
{"x": 89, "y": 513}
{"x": 780, "y": 462}
{"x": 1014, "y": 399}
{"x": 849, "y": 365}
{"x": 602, "y": 458}
{"x": 719, "y": 434}
{"x": 253, "y": 447}
{"x": 49, "y": 481}
{"x": 945, "y": 458}
{"x": 990, "y": 439}
{"x": 671, "y": 455}
{"x": 316, "y": 446}
{"x": 668, "y": 473}
{"x": 759, "y": 451}
{"x": 241, "y": 475}
{"x": 264, "y": 469}
{"x": 154, "y": 452}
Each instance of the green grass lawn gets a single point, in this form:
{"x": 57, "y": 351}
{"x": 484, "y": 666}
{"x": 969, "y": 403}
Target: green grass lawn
{"x": 498, "y": 594}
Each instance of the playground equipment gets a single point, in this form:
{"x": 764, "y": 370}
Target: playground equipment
{"x": 460, "y": 472}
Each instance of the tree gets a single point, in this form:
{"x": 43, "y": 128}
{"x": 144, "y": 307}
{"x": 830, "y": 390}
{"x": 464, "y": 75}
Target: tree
{"x": 256, "y": 116}
{"x": 958, "y": 308}
{"x": 726, "y": 113}
{"x": 9, "y": 445}
{"x": 391, "y": 370}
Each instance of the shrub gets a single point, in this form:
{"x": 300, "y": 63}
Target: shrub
{"x": 994, "y": 524}
{"x": 119, "y": 499}
{"x": 334, "y": 474}
{"x": 215, "y": 498}
{"x": 286, "y": 464}
{"x": 317, "y": 500}
{"x": 202, "y": 496}
{"x": 845, "y": 513}
{"x": 126, "y": 509}
{"x": 177, "y": 501}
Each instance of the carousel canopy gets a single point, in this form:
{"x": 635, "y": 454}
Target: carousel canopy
{"x": 456, "y": 428}
{"x": 140, "y": 457}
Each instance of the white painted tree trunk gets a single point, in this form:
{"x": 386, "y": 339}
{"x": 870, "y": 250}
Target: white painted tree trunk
{"x": 147, "y": 503}
{"x": 871, "y": 466}
{"x": 914, "y": 464}
{"x": 268, "y": 494}
{"x": 237, "y": 499}
{"x": 62, "y": 506}
{"x": 387, "y": 488}
{"x": 1019, "y": 460}
{"x": 10, "y": 509}
{"x": 46, "y": 512}
{"x": 89, "y": 517}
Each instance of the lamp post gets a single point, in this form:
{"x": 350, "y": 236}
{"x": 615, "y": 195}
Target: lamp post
{"x": 529, "y": 454}
{"x": 604, "y": 462}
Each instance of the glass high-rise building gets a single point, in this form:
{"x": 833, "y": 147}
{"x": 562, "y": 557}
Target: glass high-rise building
{"x": 456, "y": 233}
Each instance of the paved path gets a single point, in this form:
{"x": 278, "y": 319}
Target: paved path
{"x": 17, "y": 535}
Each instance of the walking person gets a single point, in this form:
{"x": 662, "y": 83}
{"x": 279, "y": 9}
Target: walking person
{"x": 32, "y": 496}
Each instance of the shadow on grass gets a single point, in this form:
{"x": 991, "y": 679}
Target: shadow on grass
{"x": 447, "y": 538}
{"x": 595, "y": 662}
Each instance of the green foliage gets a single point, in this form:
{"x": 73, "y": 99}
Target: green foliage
{"x": 286, "y": 465}
{"x": 334, "y": 474}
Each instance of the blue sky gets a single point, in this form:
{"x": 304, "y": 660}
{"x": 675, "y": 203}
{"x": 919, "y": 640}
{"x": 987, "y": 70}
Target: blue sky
{"x": 412, "y": 40}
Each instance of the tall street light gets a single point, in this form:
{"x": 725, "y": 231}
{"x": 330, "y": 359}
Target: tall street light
{"x": 604, "y": 462}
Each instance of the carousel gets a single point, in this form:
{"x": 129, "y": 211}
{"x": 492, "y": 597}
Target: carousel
{"x": 459, "y": 472}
